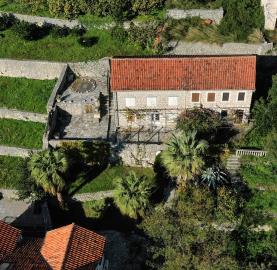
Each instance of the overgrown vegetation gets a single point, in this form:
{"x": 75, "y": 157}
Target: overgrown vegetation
{"x": 21, "y": 133}
{"x": 25, "y": 94}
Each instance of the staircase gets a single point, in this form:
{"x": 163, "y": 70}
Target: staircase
{"x": 233, "y": 164}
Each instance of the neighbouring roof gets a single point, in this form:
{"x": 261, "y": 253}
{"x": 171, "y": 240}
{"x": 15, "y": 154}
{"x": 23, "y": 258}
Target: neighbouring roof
{"x": 66, "y": 248}
{"x": 72, "y": 247}
{"x": 9, "y": 237}
{"x": 184, "y": 73}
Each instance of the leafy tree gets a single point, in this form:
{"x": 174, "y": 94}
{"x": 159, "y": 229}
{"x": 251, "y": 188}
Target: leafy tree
{"x": 132, "y": 194}
{"x": 48, "y": 169}
{"x": 184, "y": 156}
{"x": 271, "y": 146}
{"x": 182, "y": 237}
{"x": 213, "y": 177}
{"x": 242, "y": 16}
{"x": 68, "y": 8}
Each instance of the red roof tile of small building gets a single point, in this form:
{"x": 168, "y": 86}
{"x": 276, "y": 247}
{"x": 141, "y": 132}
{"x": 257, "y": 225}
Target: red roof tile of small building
{"x": 9, "y": 237}
{"x": 72, "y": 247}
{"x": 184, "y": 73}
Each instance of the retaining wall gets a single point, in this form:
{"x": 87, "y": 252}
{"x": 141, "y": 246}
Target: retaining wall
{"x": 15, "y": 151}
{"x": 21, "y": 115}
{"x": 212, "y": 14}
{"x": 45, "y": 20}
{"x": 200, "y": 48}
{"x": 41, "y": 70}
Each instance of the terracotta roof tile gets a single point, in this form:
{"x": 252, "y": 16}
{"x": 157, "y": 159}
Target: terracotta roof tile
{"x": 184, "y": 73}
{"x": 9, "y": 237}
{"x": 72, "y": 247}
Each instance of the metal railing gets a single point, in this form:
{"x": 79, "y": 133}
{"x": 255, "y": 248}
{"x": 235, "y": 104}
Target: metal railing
{"x": 244, "y": 152}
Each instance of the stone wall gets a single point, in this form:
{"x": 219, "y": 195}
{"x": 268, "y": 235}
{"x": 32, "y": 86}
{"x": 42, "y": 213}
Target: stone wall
{"x": 270, "y": 12}
{"x": 200, "y": 48}
{"x": 21, "y": 115}
{"x": 45, "y": 20}
{"x": 41, "y": 70}
{"x": 15, "y": 151}
{"x": 133, "y": 154}
{"x": 212, "y": 14}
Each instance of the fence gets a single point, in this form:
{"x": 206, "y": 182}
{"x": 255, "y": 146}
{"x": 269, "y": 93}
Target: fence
{"x": 244, "y": 152}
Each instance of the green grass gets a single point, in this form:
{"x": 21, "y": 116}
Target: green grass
{"x": 261, "y": 176}
{"x": 106, "y": 180}
{"x": 66, "y": 48}
{"x": 11, "y": 171}
{"x": 21, "y": 133}
{"x": 25, "y": 94}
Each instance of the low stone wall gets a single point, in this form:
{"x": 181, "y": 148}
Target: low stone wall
{"x": 21, "y": 115}
{"x": 200, "y": 48}
{"x": 144, "y": 155}
{"x": 41, "y": 70}
{"x": 15, "y": 151}
{"x": 45, "y": 20}
{"x": 212, "y": 14}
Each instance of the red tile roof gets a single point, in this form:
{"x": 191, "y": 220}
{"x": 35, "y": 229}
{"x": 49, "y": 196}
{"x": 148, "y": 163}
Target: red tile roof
{"x": 72, "y": 247}
{"x": 184, "y": 73}
{"x": 9, "y": 237}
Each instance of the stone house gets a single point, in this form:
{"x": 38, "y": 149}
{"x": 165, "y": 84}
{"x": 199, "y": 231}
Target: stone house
{"x": 270, "y": 12}
{"x": 151, "y": 92}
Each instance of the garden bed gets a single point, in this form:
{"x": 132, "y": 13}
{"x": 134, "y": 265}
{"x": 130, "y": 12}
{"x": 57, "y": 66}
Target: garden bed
{"x": 21, "y": 134}
{"x": 106, "y": 180}
{"x": 11, "y": 171}
{"x": 25, "y": 94}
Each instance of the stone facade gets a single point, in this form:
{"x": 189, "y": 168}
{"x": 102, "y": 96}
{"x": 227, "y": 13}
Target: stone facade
{"x": 270, "y": 12}
{"x": 168, "y": 113}
{"x": 212, "y": 14}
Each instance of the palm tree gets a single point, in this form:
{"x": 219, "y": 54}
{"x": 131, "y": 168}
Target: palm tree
{"x": 132, "y": 194}
{"x": 183, "y": 157}
{"x": 213, "y": 177}
{"x": 48, "y": 171}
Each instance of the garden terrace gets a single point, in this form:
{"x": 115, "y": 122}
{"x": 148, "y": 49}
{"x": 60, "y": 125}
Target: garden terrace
{"x": 25, "y": 94}
{"x": 21, "y": 134}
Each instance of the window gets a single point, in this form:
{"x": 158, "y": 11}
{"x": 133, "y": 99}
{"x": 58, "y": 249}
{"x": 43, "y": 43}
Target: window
{"x": 225, "y": 96}
{"x": 155, "y": 117}
{"x": 130, "y": 102}
{"x": 211, "y": 97}
{"x": 195, "y": 97}
{"x": 172, "y": 101}
{"x": 151, "y": 101}
{"x": 241, "y": 96}
{"x": 224, "y": 113}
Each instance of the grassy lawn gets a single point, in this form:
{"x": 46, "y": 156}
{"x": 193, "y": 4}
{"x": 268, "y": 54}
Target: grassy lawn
{"x": 11, "y": 171}
{"x": 106, "y": 180}
{"x": 25, "y": 94}
{"x": 66, "y": 48}
{"x": 21, "y": 133}
{"x": 262, "y": 178}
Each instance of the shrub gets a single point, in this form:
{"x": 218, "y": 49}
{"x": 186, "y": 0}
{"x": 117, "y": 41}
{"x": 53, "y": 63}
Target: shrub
{"x": 242, "y": 16}
{"x": 119, "y": 33}
{"x": 78, "y": 31}
{"x": 87, "y": 41}
{"x": 146, "y": 6}
{"x": 35, "y": 5}
{"x": 29, "y": 31}
{"x": 57, "y": 31}
{"x": 68, "y": 8}
{"x": 6, "y": 21}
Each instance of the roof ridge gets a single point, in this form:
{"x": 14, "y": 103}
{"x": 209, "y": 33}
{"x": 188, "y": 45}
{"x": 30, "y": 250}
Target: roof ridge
{"x": 68, "y": 244}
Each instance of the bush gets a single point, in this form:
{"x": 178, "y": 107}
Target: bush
{"x": 68, "y": 8}
{"x": 242, "y": 16}
{"x": 57, "y": 31}
{"x": 29, "y": 31}
{"x": 6, "y": 21}
{"x": 119, "y": 33}
{"x": 146, "y": 6}
{"x": 87, "y": 41}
